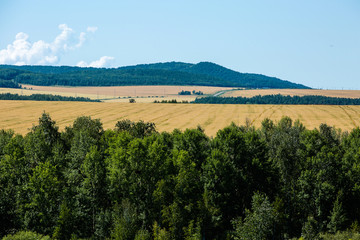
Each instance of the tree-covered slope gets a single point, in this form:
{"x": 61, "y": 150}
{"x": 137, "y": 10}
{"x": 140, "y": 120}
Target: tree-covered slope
{"x": 237, "y": 79}
{"x": 171, "y": 73}
{"x": 244, "y": 79}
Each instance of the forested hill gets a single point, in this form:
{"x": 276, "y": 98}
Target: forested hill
{"x": 171, "y": 73}
{"x": 249, "y": 80}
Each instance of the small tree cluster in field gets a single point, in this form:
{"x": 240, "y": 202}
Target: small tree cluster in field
{"x": 171, "y": 101}
{"x": 189, "y": 93}
{"x": 184, "y": 92}
{"x": 279, "y": 181}
{"x": 197, "y": 93}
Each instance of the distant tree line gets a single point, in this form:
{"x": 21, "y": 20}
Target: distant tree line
{"x": 43, "y": 97}
{"x": 280, "y": 99}
{"x": 280, "y": 181}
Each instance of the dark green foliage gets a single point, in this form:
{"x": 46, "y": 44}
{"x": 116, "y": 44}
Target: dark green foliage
{"x": 14, "y": 170}
{"x": 337, "y": 217}
{"x": 172, "y": 73}
{"x": 44, "y": 97}
{"x": 248, "y": 80}
{"x": 281, "y": 181}
{"x": 26, "y": 235}
{"x": 197, "y": 93}
{"x": 5, "y": 137}
{"x": 189, "y": 93}
{"x": 310, "y": 229}
{"x": 9, "y": 84}
{"x": 126, "y": 222}
{"x": 42, "y": 190}
{"x": 41, "y": 140}
{"x": 84, "y": 174}
{"x": 180, "y": 194}
{"x": 347, "y": 235}
{"x": 236, "y": 169}
{"x": 259, "y": 223}
{"x": 171, "y": 101}
{"x": 137, "y": 129}
{"x": 280, "y": 99}
{"x": 228, "y": 76}
{"x": 64, "y": 223}
{"x": 184, "y": 92}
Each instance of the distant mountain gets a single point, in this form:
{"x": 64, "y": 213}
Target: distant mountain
{"x": 170, "y": 73}
{"x": 249, "y": 80}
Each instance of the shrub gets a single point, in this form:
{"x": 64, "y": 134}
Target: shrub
{"x": 26, "y": 235}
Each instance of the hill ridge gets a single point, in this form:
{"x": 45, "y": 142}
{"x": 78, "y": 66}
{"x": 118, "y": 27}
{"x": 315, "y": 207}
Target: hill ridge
{"x": 165, "y": 73}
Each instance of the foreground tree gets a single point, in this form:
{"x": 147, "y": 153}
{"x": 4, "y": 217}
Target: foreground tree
{"x": 259, "y": 223}
{"x": 235, "y": 170}
{"x": 278, "y": 182}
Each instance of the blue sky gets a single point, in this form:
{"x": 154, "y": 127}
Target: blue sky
{"x": 316, "y": 43}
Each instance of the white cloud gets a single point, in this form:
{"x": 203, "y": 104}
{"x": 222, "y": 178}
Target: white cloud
{"x": 82, "y": 39}
{"x": 104, "y": 61}
{"x": 92, "y": 29}
{"x": 21, "y": 51}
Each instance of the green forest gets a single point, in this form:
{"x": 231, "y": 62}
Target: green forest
{"x": 9, "y": 84}
{"x": 171, "y": 73}
{"x": 280, "y": 99}
{"x": 279, "y": 181}
{"x": 43, "y": 97}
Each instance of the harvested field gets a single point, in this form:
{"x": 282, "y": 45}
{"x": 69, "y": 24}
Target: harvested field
{"x": 147, "y": 94}
{"x": 294, "y": 92}
{"x": 21, "y": 115}
{"x": 122, "y": 93}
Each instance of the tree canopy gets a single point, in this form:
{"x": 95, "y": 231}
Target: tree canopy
{"x": 279, "y": 181}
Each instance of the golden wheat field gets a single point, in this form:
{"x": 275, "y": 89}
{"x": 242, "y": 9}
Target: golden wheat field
{"x": 147, "y": 94}
{"x": 294, "y": 92}
{"x": 119, "y": 94}
{"x": 21, "y": 115}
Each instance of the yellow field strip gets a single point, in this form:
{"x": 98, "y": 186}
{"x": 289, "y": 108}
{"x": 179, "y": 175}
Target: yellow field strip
{"x": 118, "y": 94}
{"x": 146, "y": 94}
{"x": 294, "y": 92}
{"x": 21, "y": 115}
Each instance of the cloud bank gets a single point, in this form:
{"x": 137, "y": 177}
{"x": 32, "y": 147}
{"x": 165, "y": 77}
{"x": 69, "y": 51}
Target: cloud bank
{"x": 23, "y": 52}
{"x": 104, "y": 61}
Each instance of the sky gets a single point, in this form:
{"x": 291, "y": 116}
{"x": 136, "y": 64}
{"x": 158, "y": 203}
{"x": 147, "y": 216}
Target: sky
{"x": 315, "y": 43}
